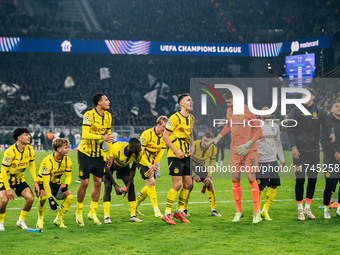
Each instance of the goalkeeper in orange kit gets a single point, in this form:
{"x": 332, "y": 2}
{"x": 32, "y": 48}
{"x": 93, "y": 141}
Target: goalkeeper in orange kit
{"x": 243, "y": 153}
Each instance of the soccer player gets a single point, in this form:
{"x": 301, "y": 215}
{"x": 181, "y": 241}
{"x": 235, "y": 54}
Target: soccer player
{"x": 51, "y": 170}
{"x": 153, "y": 147}
{"x": 14, "y": 163}
{"x": 243, "y": 153}
{"x": 202, "y": 170}
{"x": 96, "y": 129}
{"x": 304, "y": 141}
{"x": 331, "y": 160}
{"x": 178, "y": 136}
{"x": 269, "y": 148}
{"x": 124, "y": 154}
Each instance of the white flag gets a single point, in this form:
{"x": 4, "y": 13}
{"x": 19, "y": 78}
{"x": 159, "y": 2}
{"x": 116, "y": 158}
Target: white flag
{"x": 151, "y": 97}
{"x": 104, "y": 73}
{"x": 68, "y": 82}
{"x": 79, "y": 107}
{"x": 24, "y": 97}
{"x": 135, "y": 110}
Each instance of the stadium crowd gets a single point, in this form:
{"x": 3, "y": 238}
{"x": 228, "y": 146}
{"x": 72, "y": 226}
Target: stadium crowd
{"x": 204, "y": 21}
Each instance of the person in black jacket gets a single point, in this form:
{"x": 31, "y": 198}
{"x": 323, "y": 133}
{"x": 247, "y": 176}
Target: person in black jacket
{"x": 304, "y": 141}
{"x": 331, "y": 160}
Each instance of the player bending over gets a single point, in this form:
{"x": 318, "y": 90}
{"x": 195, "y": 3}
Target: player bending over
{"x": 51, "y": 170}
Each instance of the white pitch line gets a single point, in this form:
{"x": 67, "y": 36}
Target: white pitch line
{"x": 203, "y": 202}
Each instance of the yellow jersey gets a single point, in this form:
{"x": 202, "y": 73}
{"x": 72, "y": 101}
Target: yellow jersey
{"x": 93, "y": 127}
{"x": 119, "y": 157}
{"x": 14, "y": 164}
{"x": 180, "y": 128}
{"x": 153, "y": 147}
{"x": 201, "y": 156}
{"x": 51, "y": 171}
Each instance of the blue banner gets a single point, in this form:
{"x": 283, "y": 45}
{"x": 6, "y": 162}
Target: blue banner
{"x": 16, "y": 44}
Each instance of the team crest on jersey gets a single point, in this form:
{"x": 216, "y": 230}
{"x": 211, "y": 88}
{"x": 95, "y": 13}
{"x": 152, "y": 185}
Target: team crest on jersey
{"x": 328, "y": 175}
{"x": 273, "y": 129}
{"x": 87, "y": 120}
{"x": 44, "y": 171}
{"x": 176, "y": 170}
{"x": 298, "y": 168}
{"x": 315, "y": 115}
{"x": 13, "y": 165}
{"x": 181, "y": 129}
{"x": 6, "y": 160}
{"x": 241, "y": 117}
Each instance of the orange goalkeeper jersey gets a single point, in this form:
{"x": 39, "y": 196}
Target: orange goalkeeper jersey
{"x": 241, "y": 129}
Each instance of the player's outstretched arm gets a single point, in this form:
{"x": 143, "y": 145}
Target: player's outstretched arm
{"x": 112, "y": 180}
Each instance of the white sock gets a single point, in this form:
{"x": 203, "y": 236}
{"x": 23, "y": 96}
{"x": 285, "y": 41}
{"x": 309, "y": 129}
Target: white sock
{"x": 263, "y": 210}
{"x": 300, "y": 206}
{"x": 307, "y": 206}
{"x": 155, "y": 209}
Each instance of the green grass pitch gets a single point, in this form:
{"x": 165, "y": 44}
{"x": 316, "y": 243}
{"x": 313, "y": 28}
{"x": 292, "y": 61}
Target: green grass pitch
{"x": 204, "y": 235}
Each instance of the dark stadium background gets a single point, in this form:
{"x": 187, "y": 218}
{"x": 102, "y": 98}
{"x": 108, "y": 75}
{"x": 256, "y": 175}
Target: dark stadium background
{"x": 41, "y": 102}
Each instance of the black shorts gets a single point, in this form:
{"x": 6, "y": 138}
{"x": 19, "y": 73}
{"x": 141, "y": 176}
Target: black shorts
{"x": 268, "y": 174}
{"x": 19, "y": 188}
{"x": 201, "y": 171}
{"x": 54, "y": 188}
{"x": 89, "y": 165}
{"x": 143, "y": 171}
{"x": 179, "y": 167}
{"x": 120, "y": 171}
{"x": 307, "y": 163}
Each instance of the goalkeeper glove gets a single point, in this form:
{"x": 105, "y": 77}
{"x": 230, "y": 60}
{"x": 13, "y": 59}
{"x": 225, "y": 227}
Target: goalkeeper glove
{"x": 243, "y": 149}
{"x": 53, "y": 203}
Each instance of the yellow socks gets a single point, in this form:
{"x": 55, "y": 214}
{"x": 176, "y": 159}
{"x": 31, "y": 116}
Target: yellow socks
{"x": 79, "y": 208}
{"x": 132, "y": 205}
{"x": 142, "y": 195}
{"x": 170, "y": 200}
{"x": 65, "y": 206}
{"x": 41, "y": 206}
{"x": 182, "y": 199}
{"x": 106, "y": 206}
{"x": 93, "y": 208}
{"x": 23, "y": 215}
{"x": 153, "y": 196}
{"x": 270, "y": 198}
{"x": 212, "y": 199}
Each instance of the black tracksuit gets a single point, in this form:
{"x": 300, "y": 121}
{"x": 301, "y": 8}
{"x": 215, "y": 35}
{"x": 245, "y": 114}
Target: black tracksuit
{"x": 331, "y": 166}
{"x": 306, "y": 136}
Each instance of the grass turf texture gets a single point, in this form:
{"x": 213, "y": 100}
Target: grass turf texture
{"x": 204, "y": 235}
